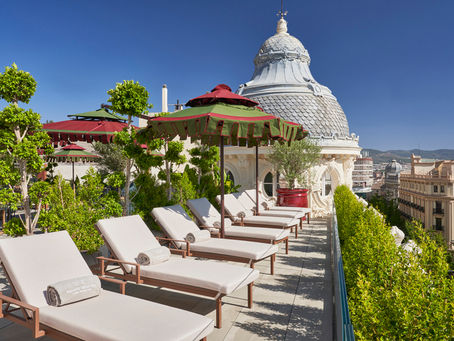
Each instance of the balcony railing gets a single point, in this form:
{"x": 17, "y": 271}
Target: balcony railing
{"x": 439, "y": 211}
{"x": 344, "y": 327}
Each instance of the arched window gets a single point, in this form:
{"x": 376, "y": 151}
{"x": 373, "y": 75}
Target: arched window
{"x": 326, "y": 184}
{"x": 231, "y": 177}
{"x": 268, "y": 184}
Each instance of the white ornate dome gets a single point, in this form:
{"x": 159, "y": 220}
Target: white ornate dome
{"x": 284, "y": 86}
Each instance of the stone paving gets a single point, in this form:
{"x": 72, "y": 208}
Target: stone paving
{"x": 294, "y": 304}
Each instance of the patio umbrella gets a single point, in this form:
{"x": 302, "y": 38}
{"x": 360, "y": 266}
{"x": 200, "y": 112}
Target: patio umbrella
{"x": 99, "y": 125}
{"x": 222, "y": 117}
{"x": 73, "y": 153}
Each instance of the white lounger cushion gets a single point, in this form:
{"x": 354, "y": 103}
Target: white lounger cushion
{"x": 112, "y": 316}
{"x": 209, "y": 216}
{"x": 218, "y": 276}
{"x": 127, "y": 236}
{"x": 257, "y": 232}
{"x": 233, "y": 207}
{"x": 192, "y": 272}
{"x": 49, "y": 258}
{"x": 175, "y": 222}
{"x": 238, "y": 248}
{"x": 250, "y": 205}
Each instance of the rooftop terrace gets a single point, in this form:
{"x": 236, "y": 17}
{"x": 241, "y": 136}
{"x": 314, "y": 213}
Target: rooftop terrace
{"x": 294, "y": 304}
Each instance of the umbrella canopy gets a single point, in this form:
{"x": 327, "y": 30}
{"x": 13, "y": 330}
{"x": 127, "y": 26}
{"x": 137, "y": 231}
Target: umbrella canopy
{"x": 221, "y": 94}
{"x": 222, "y": 117}
{"x": 73, "y": 153}
{"x": 236, "y": 124}
{"x": 99, "y": 125}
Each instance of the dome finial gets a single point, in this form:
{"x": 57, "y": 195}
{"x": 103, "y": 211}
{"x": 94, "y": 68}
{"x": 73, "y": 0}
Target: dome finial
{"x": 282, "y": 24}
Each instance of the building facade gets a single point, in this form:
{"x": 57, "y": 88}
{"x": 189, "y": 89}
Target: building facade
{"x": 391, "y": 181}
{"x": 426, "y": 193}
{"x": 363, "y": 175}
{"x": 283, "y": 85}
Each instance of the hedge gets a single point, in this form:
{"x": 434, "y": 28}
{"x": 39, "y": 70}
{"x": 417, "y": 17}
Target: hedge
{"x": 392, "y": 294}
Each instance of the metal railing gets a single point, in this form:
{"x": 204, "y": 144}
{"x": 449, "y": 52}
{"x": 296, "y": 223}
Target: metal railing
{"x": 344, "y": 327}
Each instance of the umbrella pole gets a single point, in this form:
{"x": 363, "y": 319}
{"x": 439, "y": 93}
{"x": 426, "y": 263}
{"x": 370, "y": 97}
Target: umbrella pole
{"x": 74, "y": 183}
{"x": 221, "y": 152}
{"x": 257, "y": 178}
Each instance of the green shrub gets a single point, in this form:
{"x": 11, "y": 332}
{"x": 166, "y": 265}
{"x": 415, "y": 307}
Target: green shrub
{"x": 393, "y": 295}
{"x": 14, "y": 228}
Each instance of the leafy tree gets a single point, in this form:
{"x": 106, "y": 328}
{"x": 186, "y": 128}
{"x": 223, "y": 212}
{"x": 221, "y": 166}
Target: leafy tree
{"x": 131, "y": 99}
{"x": 78, "y": 214}
{"x": 111, "y": 158}
{"x": 20, "y": 141}
{"x": 172, "y": 159}
{"x": 295, "y": 160}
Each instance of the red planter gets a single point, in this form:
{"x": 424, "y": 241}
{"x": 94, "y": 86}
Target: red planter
{"x": 292, "y": 197}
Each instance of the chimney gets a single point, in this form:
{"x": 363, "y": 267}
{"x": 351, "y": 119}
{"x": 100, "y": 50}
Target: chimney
{"x": 164, "y": 107}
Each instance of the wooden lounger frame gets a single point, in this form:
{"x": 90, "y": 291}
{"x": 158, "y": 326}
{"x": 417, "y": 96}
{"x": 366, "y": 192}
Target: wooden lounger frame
{"x": 29, "y": 316}
{"x": 173, "y": 246}
{"x": 103, "y": 271}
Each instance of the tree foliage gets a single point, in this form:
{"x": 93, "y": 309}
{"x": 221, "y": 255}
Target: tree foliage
{"x": 78, "y": 213}
{"x": 393, "y": 294}
{"x": 131, "y": 99}
{"x": 20, "y": 143}
{"x": 295, "y": 160}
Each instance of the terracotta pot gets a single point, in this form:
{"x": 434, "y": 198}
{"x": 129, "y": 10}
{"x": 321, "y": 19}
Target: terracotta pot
{"x": 292, "y": 197}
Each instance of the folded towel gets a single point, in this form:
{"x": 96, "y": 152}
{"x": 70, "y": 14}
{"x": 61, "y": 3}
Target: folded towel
{"x": 198, "y": 236}
{"x": 227, "y": 223}
{"x": 154, "y": 256}
{"x": 73, "y": 290}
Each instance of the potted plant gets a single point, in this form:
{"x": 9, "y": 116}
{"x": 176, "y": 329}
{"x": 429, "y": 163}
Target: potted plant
{"x": 294, "y": 162}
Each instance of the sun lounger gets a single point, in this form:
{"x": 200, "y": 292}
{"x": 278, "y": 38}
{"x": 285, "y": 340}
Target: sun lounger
{"x": 32, "y": 263}
{"x": 270, "y": 204}
{"x": 126, "y": 237}
{"x": 243, "y": 216}
{"x": 177, "y": 224}
{"x": 210, "y": 218}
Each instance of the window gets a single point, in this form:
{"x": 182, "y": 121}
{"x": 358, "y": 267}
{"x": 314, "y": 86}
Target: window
{"x": 442, "y": 188}
{"x": 435, "y": 189}
{"x": 326, "y": 184}
{"x": 268, "y": 184}
{"x": 231, "y": 177}
{"x": 438, "y": 224}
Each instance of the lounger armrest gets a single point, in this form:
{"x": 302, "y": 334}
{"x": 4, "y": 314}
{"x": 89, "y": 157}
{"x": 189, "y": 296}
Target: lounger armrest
{"x": 103, "y": 260}
{"x": 122, "y": 284}
{"x": 34, "y": 324}
{"x": 184, "y": 253}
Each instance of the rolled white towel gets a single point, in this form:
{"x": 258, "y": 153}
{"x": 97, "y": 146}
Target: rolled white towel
{"x": 73, "y": 290}
{"x": 227, "y": 223}
{"x": 198, "y": 236}
{"x": 398, "y": 235}
{"x": 154, "y": 256}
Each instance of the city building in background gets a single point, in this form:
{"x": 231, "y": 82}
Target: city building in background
{"x": 363, "y": 175}
{"x": 426, "y": 193}
{"x": 390, "y": 188}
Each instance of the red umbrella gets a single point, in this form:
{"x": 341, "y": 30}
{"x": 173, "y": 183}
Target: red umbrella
{"x": 222, "y": 93}
{"x": 72, "y": 153}
{"x": 99, "y": 125}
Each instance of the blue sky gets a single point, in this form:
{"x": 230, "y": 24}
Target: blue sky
{"x": 389, "y": 63}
